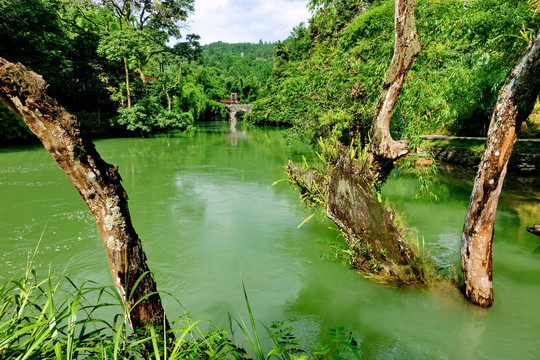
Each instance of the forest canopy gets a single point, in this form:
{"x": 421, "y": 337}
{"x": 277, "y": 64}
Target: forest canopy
{"x": 128, "y": 75}
{"x": 126, "y": 68}
{"x": 327, "y": 76}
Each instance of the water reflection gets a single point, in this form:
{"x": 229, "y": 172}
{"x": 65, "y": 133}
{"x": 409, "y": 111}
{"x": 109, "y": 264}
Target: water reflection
{"x": 233, "y": 135}
{"x": 520, "y": 196}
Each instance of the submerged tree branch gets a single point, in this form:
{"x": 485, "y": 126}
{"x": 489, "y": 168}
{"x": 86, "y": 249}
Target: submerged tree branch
{"x": 345, "y": 190}
{"x": 375, "y": 243}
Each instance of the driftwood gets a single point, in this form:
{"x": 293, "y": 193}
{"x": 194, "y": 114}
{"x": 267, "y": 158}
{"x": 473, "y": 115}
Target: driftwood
{"x": 514, "y": 104}
{"x": 98, "y": 183}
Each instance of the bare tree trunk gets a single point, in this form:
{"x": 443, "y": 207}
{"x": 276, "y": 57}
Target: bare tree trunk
{"x": 383, "y": 149}
{"x": 175, "y": 84}
{"x": 128, "y": 91}
{"x": 98, "y": 183}
{"x": 514, "y": 104}
{"x": 163, "y": 87}
{"x": 169, "y": 102}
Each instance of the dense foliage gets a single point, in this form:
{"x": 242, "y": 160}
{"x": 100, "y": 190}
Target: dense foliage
{"x": 241, "y": 68}
{"x": 327, "y": 76}
{"x": 111, "y": 63}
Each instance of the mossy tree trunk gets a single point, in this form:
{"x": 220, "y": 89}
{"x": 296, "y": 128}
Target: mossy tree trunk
{"x": 514, "y": 104}
{"x": 98, "y": 183}
{"x": 375, "y": 243}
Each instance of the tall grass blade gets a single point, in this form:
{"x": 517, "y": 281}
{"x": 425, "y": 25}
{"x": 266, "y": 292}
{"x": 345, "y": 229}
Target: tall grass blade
{"x": 136, "y": 284}
{"x": 180, "y": 340}
{"x": 117, "y": 340}
{"x": 154, "y": 342}
{"x": 255, "y": 340}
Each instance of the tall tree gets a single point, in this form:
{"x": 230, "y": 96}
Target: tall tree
{"x": 383, "y": 149}
{"x": 514, "y": 104}
{"x": 170, "y": 64}
{"x": 144, "y": 27}
{"x": 345, "y": 189}
{"x": 163, "y": 15}
{"x": 98, "y": 183}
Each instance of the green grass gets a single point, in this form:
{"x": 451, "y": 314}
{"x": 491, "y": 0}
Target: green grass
{"x": 40, "y": 320}
{"x": 52, "y": 318}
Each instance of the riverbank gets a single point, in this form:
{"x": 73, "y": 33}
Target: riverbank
{"x": 525, "y": 158}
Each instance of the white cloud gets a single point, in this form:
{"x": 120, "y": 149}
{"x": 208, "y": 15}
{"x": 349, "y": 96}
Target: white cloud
{"x": 246, "y": 20}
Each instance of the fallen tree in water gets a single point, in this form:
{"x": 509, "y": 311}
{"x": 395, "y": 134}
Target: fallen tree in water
{"x": 376, "y": 244}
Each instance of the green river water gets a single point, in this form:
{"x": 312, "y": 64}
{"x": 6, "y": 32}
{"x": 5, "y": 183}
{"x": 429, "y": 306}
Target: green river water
{"x": 210, "y": 220}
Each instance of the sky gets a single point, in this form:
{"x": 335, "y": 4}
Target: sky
{"x": 246, "y": 20}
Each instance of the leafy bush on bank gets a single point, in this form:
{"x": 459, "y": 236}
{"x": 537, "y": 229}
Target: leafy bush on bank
{"x": 332, "y": 86}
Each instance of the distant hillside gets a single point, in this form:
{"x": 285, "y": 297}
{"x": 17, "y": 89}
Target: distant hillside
{"x": 216, "y": 52}
{"x": 242, "y": 68}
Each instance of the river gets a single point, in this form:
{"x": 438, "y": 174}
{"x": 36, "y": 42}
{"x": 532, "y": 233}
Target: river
{"x": 210, "y": 220}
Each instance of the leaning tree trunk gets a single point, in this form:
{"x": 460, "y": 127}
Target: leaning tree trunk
{"x": 98, "y": 183}
{"x": 514, "y": 104}
{"x": 345, "y": 189}
{"x": 383, "y": 149}
{"x": 142, "y": 75}
{"x": 375, "y": 243}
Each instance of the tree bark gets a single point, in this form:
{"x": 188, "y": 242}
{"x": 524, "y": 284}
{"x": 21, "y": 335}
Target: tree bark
{"x": 514, "y": 104}
{"x": 98, "y": 183}
{"x": 375, "y": 243}
{"x": 169, "y": 101}
{"x": 383, "y": 149}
